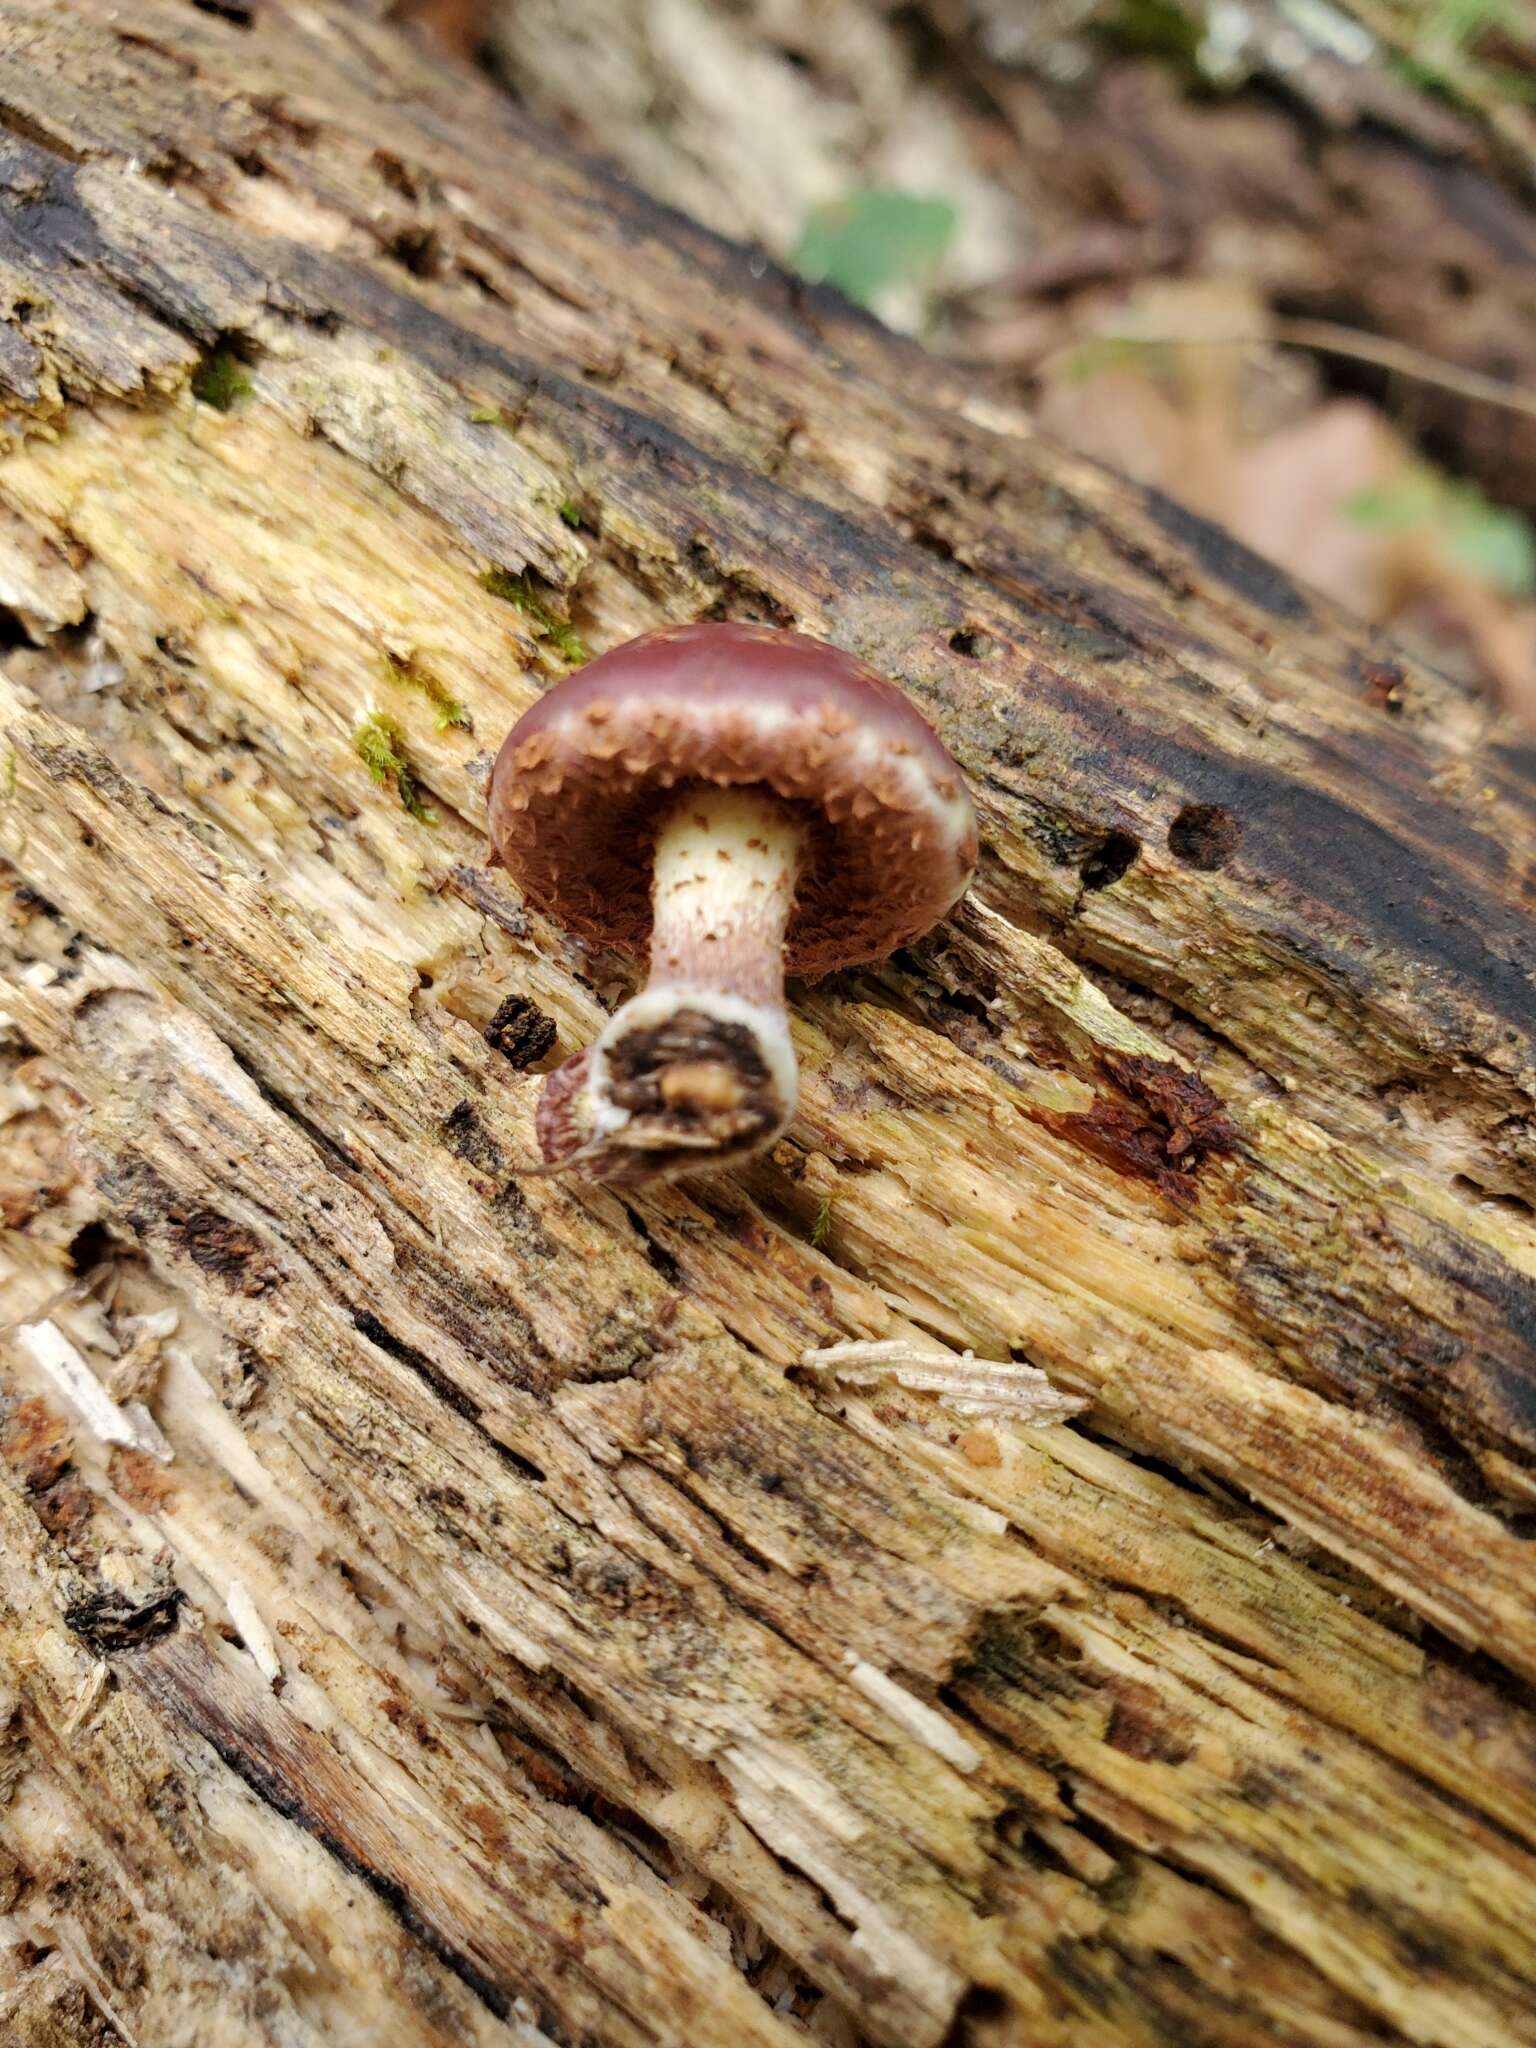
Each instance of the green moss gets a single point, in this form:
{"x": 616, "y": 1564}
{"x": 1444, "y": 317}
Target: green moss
{"x": 570, "y": 511}
{"x": 220, "y": 379}
{"x": 821, "y": 1228}
{"x": 566, "y": 638}
{"x": 1444, "y": 51}
{"x": 380, "y": 746}
{"x": 487, "y": 416}
{"x": 1158, "y": 28}
{"x": 519, "y": 591}
{"x": 447, "y": 711}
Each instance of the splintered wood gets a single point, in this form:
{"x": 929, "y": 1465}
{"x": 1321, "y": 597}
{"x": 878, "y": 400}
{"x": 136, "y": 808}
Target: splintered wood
{"x": 1042, "y": 1558}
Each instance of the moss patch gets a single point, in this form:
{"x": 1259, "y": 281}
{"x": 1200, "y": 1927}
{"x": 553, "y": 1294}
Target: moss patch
{"x": 519, "y": 591}
{"x": 220, "y": 380}
{"x": 447, "y": 711}
{"x": 380, "y": 746}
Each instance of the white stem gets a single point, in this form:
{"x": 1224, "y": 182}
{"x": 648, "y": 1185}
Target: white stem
{"x": 697, "y": 1070}
{"x": 722, "y": 888}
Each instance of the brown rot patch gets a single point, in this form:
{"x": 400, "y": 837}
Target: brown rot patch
{"x": 1141, "y": 1726}
{"x": 226, "y": 1249}
{"x": 144, "y": 1484}
{"x": 1164, "y": 1124}
{"x": 1193, "y": 1116}
{"x": 520, "y": 1032}
{"x": 36, "y": 1443}
{"x": 109, "y": 1620}
{"x": 1205, "y": 836}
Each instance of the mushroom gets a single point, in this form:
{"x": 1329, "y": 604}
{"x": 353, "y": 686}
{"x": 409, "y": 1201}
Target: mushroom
{"x": 755, "y": 801}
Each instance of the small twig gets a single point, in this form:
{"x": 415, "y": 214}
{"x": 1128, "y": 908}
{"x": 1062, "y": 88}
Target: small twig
{"x": 1326, "y": 337}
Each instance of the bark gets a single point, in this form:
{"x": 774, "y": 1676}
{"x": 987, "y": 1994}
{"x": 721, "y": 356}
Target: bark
{"x": 444, "y": 1607}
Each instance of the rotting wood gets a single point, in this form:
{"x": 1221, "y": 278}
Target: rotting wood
{"x": 631, "y": 1684}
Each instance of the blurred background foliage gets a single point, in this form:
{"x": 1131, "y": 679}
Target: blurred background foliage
{"x": 1277, "y": 257}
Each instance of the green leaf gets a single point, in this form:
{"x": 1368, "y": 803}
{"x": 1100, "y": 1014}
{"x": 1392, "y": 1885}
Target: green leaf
{"x": 1396, "y": 507}
{"x": 1496, "y": 544}
{"x": 874, "y": 238}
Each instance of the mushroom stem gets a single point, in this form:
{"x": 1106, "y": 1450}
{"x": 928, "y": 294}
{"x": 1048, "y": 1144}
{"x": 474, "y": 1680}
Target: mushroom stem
{"x": 697, "y": 1070}
{"x": 722, "y": 886}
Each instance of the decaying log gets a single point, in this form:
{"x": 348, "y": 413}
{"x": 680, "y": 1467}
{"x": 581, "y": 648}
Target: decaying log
{"x": 459, "y": 1614}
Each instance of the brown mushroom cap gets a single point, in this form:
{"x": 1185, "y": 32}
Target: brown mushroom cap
{"x": 582, "y": 776}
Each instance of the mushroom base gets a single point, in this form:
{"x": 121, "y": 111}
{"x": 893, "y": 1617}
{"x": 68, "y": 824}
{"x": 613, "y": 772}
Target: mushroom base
{"x": 682, "y": 1080}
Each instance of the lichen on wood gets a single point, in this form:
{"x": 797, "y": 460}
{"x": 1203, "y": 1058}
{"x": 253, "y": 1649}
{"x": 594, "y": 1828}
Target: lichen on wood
{"x": 521, "y": 1643}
